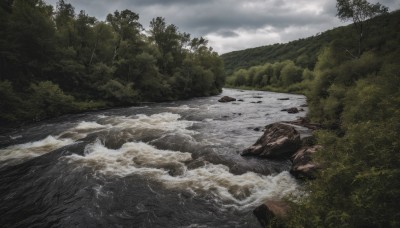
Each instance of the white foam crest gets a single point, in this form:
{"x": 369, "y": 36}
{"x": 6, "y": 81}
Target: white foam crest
{"x": 15, "y": 137}
{"x": 90, "y": 126}
{"x": 241, "y": 191}
{"x": 183, "y": 107}
{"x": 165, "y": 121}
{"x": 33, "y": 149}
{"x": 168, "y": 167}
{"x": 82, "y": 130}
{"x": 131, "y": 158}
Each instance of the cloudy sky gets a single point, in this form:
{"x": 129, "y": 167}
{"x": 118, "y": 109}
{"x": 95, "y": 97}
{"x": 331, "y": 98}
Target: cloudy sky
{"x": 231, "y": 25}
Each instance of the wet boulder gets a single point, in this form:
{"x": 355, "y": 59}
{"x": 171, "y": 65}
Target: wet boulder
{"x": 304, "y": 122}
{"x": 271, "y": 209}
{"x": 279, "y": 141}
{"x": 292, "y": 110}
{"x": 226, "y": 99}
{"x": 303, "y": 166}
{"x": 257, "y": 129}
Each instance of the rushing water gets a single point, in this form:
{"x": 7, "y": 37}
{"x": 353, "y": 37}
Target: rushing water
{"x": 163, "y": 165}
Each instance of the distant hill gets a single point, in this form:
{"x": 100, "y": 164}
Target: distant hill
{"x": 303, "y": 52}
{"x": 355, "y": 98}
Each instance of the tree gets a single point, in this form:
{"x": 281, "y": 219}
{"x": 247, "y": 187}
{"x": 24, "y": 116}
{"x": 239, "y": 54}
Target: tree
{"x": 86, "y": 37}
{"x": 64, "y": 18}
{"x": 359, "y": 11}
{"x": 28, "y": 41}
{"x": 290, "y": 74}
{"x": 58, "y": 61}
{"x": 126, "y": 25}
{"x": 48, "y": 99}
{"x": 170, "y": 42}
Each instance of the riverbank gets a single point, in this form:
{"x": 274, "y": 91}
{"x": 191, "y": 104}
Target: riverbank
{"x": 79, "y": 108}
{"x": 268, "y": 89}
{"x": 293, "y": 140}
{"x": 285, "y": 140}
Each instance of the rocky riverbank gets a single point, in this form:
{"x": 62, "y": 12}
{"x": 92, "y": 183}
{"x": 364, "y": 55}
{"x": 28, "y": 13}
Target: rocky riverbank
{"x": 285, "y": 140}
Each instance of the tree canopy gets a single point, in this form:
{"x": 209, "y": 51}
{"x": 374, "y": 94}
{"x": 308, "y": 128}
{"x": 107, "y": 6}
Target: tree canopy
{"x": 359, "y": 11}
{"x": 88, "y": 64}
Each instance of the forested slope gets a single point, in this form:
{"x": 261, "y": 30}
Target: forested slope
{"x": 55, "y": 61}
{"x": 355, "y": 96}
{"x": 290, "y": 72}
{"x": 302, "y": 52}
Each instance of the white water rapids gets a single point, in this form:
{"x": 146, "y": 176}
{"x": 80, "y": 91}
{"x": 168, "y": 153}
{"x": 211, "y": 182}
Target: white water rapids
{"x": 189, "y": 147}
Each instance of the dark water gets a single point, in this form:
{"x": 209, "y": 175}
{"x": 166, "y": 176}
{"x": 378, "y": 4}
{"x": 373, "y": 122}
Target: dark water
{"x": 163, "y": 165}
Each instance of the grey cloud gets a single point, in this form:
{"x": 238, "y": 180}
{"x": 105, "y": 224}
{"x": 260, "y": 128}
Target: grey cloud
{"x": 224, "y": 18}
{"x": 204, "y": 25}
{"x": 227, "y": 34}
{"x": 166, "y": 2}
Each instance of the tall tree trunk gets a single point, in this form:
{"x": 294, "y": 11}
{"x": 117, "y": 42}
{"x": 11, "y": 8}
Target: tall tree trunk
{"x": 116, "y": 50}
{"x": 93, "y": 51}
{"x": 360, "y": 41}
{"x": 95, "y": 46}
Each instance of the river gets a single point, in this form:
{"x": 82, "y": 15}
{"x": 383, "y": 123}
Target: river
{"x": 173, "y": 164}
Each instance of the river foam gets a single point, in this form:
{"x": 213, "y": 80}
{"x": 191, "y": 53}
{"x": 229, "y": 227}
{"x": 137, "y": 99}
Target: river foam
{"x": 18, "y": 153}
{"x": 120, "y": 127}
{"x": 171, "y": 169}
{"x": 172, "y": 164}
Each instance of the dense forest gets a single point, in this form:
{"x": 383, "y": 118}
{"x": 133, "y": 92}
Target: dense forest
{"x": 287, "y": 67}
{"x": 352, "y": 87}
{"x": 56, "y": 61}
{"x": 303, "y": 52}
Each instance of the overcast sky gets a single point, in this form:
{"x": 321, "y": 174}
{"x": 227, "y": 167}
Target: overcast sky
{"x": 231, "y": 25}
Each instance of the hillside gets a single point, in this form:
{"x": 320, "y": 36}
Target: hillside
{"x": 303, "y": 52}
{"x": 355, "y": 97}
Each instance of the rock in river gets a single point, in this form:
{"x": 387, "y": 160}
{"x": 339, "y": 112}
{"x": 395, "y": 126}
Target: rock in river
{"x": 226, "y": 99}
{"x": 292, "y": 110}
{"x": 271, "y": 209}
{"x": 279, "y": 141}
{"x": 303, "y": 167}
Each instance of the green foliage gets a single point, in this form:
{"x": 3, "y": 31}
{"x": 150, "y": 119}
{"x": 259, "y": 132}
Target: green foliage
{"x": 11, "y": 103}
{"x": 291, "y": 74}
{"x": 283, "y": 76}
{"x": 55, "y": 62}
{"x": 359, "y": 11}
{"x": 118, "y": 92}
{"x": 47, "y": 100}
{"x": 358, "y": 101}
{"x": 303, "y": 52}
{"x": 359, "y": 185}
